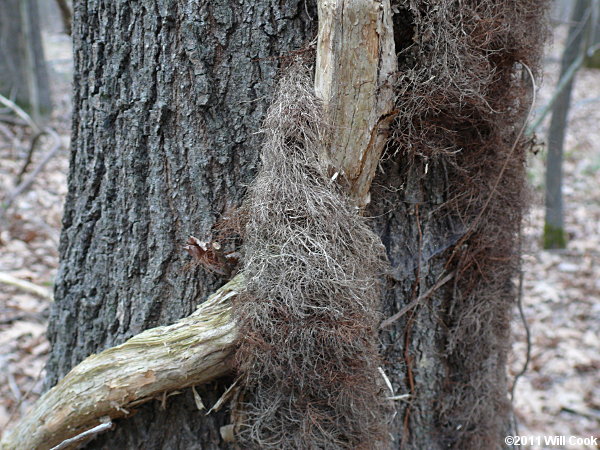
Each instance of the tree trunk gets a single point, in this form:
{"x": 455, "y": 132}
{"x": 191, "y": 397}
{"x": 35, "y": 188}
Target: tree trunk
{"x": 168, "y": 98}
{"x": 65, "y": 15}
{"x": 561, "y": 10}
{"x": 554, "y": 226}
{"x": 50, "y": 16}
{"x": 23, "y": 74}
{"x": 592, "y": 60}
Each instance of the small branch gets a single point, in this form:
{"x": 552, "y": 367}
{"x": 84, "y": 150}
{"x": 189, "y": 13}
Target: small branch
{"x": 29, "y": 157}
{"x": 193, "y": 351}
{"x": 25, "y": 286}
{"x": 523, "y": 370}
{"x": 85, "y": 436}
{"x": 14, "y": 387}
{"x": 12, "y": 120}
{"x": 356, "y": 59}
{"x": 562, "y": 84}
{"x": 17, "y": 407}
{"x": 23, "y": 186}
{"x": 589, "y": 414}
{"x": 19, "y": 112}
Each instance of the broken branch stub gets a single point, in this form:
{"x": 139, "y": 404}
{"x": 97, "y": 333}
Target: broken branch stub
{"x": 355, "y": 60}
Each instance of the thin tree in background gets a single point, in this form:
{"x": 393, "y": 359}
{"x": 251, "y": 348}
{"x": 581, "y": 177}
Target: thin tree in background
{"x": 592, "y": 60}
{"x": 554, "y": 227}
{"x": 23, "y": 73}
{"x": 65, "y": 15}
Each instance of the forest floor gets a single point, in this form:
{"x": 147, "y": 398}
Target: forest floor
{"x": 558, "y": 395}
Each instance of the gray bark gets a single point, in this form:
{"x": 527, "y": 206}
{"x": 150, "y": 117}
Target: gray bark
{"x": 23, "y": 73}
{"x": 554, "y": 234}
{"x": 416, "y": 237}
{"x": 168, "y": 97}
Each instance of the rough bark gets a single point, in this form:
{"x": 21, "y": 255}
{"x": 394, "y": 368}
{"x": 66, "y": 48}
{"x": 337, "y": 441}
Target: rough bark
{"x": 110, "y": 381}
{"x": 168, "y": 98}
{"x": 415, "y": 238}
{"x": 23, "y": 74}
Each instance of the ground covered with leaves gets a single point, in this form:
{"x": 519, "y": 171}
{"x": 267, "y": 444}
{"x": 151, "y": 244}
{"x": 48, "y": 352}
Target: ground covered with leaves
{"x": 560, "y": 392}
{"x": 558, "y": 395}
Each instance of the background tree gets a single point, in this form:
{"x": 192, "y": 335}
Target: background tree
{"x": 56, "y": 15}
{"x": 554, "y": 227}
{"x": 65, "y": 14}
{"x": 592, "y": 60}
{"x": 168, "y": 96}
{"x": 23, "y": 73}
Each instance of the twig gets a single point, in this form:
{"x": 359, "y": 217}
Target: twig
{"x": 523, "y": 370}
{"x": 10, "y": 198}
{"x": 12, "y": 383}
{"x": 579, "y": 25}
{"x": 415, "y": 302}
{"x": 8, "y": 320}
{"x": 527, "y": 337}
{"x": 34, "y": 141}
{"x": 19, "y": 112}
{"x": 590, "y": 414}
{"x": 567, "y": 77}
{"x": 12, "y": 120}
{"x": 93, "y": 432}
{"x": 7, "y": 132}
{"x": 399, "y": 397}
{"x": 25, "y": 286}
{"x": 410, "y": 381}
{"x": 227, "y": 395}
{"x": 40, "y": 316}
{"x": 388, "y": 383}
{"x": 17, "y": 407}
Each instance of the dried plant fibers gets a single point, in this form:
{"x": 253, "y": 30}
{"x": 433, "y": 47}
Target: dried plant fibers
{"x": 307, "y": 354}
{"x": 463, "y": 94}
